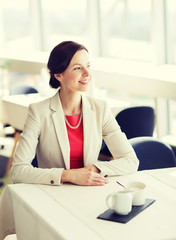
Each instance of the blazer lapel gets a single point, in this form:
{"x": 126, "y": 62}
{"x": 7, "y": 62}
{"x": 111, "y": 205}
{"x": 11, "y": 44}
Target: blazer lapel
{"x": 60, "y": 128}
{"x": 61, "y": 131}
{"x": 88, "y": 128}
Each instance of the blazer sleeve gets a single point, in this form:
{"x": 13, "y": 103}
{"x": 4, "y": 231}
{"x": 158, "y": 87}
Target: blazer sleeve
{"x": 22, "y": 171}
{"x": 125, "y": 160}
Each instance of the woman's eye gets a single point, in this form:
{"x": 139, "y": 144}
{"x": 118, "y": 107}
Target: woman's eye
{"x": 77, "y": 68}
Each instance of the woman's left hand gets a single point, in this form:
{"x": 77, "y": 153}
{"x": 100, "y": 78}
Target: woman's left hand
{"x": 86, "y": 176}
{"x": 92, "y": 168}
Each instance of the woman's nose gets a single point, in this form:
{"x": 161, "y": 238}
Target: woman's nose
{"x": 86, "y": 72}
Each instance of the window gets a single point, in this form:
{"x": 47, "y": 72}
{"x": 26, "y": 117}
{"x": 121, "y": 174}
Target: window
{"x": 126, "y": 29}
{"x": 171, "y": 31}
{"x": 129, "y": 30}
{"x": 64, "y": 20}
{"x": 171, "y": 56}
{"x": 15, "y": 24}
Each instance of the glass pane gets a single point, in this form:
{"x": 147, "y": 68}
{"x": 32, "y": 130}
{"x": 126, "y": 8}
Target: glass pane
{"x": 64, "y": 20}
{"x": 171, "y": 30}
{"x": 126, "y": 29}
{"x": 171, "y": 56}
{"x": 15, "y": 24}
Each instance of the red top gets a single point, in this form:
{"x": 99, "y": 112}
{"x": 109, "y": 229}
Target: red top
{"x": 75, "y": 137}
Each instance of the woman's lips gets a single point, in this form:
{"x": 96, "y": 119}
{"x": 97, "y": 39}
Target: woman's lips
{"x": 84, "y": 81}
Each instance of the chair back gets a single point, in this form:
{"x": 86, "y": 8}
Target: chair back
{"x": 153, "y": 153}
{"x": 21, "y": 88}
{"x": 35, "y": 162}
{"x": 137, "y": 121}
{"x": 134, "y": 122}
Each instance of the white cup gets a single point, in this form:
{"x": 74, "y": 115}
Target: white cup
{"x": 139, "y": 190}
{"x": 121, "y": 202}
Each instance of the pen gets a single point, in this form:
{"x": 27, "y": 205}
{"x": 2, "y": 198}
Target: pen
{"x": 110, "y": 176}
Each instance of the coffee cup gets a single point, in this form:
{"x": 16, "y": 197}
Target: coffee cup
{"x": 120, "y": 202}
{"x": 139, "y": 190}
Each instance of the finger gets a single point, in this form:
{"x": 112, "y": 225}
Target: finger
{"x": 100, "y": 181}
{"x": 97, "y": 175}
{"x": 95, "y": 179}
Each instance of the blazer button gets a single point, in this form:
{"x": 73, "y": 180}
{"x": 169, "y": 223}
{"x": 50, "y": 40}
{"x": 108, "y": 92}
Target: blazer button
{"x": 52, "y": 182}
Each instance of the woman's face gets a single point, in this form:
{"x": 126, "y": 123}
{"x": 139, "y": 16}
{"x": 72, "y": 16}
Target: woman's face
{"x": 77, "y": 76}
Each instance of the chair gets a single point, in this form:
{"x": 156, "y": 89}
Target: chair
{"x": 153, "y": 153}
{"x": 137, "y": 121}
{"x": 134, "y": 122}
{"x": 22, "y": 88}
{"x": 19, "y": 88}
{"x": 35, "y": 162}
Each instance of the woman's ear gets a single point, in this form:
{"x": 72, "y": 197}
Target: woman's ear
{"x": 57, "y": 76}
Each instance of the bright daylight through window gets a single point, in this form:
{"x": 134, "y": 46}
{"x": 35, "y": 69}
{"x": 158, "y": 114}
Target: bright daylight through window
{"x": 128, "y": 30}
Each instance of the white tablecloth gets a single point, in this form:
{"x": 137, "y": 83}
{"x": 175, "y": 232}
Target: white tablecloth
{"x": 167, "y": 176}
{"x": 68, "y": 211}
{"x": 17, "y": 105}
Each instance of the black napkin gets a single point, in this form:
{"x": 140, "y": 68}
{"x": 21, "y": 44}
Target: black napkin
{"x": 110, "y": 215}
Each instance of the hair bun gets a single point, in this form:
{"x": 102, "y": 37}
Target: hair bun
{"x": 54, "y": 83}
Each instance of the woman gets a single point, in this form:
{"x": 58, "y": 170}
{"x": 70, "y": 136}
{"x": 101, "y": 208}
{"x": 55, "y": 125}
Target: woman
{"x": 66, "y": 130}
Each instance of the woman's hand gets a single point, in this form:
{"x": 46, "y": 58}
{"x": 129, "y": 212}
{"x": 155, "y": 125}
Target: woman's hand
{"x": 86, "y": 176}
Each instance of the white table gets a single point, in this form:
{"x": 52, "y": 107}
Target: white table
{"x": 70, "y": 212}
{"x": 15, "y": 108}
{"x": 165, "y": 175}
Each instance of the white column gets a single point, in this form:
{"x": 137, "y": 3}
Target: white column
{"x": 94, "y": 28}
{"x": 40, "y": 40}
{"x": 1, "y": 25}
{"x": 159, "y": 40}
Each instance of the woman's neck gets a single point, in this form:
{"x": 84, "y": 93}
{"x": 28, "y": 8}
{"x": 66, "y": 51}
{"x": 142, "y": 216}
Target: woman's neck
{"x": 71, "y": 102}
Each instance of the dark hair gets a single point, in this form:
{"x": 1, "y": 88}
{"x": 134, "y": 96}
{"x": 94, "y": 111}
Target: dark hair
{"x": 60, "y": 58}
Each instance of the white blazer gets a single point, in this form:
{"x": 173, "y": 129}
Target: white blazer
{"x": 45, "y": 133}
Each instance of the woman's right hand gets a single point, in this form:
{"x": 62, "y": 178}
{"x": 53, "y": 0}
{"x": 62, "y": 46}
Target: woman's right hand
{"x": 84, "y": 177}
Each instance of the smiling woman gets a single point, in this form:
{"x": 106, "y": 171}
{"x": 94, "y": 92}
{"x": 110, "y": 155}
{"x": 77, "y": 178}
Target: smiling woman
{"x": 61, "y": 58}
{"x": 66, "y": 130}
{"x": 77, "y": 75}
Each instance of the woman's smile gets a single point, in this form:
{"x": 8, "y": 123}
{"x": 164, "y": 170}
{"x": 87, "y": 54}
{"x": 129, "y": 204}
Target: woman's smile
{"x": 85, "y": 81}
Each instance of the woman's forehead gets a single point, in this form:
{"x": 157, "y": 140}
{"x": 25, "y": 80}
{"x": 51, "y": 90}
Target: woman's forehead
{"x": 80, "y": 57}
